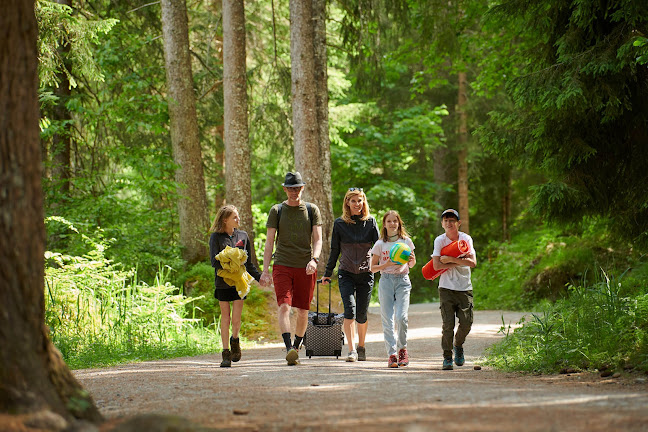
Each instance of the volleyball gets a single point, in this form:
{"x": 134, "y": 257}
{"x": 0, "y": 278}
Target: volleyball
{"x": 399, "y": 253}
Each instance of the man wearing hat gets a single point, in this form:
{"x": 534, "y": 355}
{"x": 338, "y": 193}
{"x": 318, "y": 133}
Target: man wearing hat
{"x": 455, "y": 288}
{"x": 297, "y": 226}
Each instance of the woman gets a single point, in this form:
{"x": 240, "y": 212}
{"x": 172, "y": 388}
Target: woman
{"x": 353, "y": 235}
{"x": 225, "y": 233}
{"x": 394, "y": 287}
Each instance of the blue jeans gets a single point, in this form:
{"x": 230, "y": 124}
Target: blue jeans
{"x": 394, "y": 297}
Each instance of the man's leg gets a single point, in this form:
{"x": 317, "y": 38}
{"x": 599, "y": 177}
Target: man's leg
{"x": 283, "y": 313}
{"x": 283, "y": 285}
{"x": 302, "y": 322}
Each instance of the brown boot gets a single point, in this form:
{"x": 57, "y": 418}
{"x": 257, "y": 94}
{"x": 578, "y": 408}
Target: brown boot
{"x": 227, "y": 358}
{"x": 236, "y": 349}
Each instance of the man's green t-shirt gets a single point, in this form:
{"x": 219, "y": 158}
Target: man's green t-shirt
{"x": 294, "y": 235}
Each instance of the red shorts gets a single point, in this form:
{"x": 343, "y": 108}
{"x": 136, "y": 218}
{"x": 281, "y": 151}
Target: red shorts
{"x": 293, "y": 286}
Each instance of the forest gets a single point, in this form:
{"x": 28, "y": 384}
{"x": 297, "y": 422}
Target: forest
{"x": 529, "y": 117}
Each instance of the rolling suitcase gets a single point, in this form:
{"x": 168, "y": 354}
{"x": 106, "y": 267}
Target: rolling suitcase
{"x": 324, "y": 336}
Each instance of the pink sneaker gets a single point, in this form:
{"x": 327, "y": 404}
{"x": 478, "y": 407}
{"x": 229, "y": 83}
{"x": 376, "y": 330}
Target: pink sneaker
{"x": 403, "y": 358}
{"x": 393, "y": 361}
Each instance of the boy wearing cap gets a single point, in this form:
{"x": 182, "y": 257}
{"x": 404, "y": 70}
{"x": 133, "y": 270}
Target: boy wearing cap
{"x": 297, "y": 226}
{"x": 455, "y": 288}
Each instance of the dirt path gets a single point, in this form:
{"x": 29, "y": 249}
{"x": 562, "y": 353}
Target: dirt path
{"x": 261, "y": 393}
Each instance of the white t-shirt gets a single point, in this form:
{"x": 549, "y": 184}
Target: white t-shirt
{"x": 457, "y": 278}
{"x": 381, "y": 248}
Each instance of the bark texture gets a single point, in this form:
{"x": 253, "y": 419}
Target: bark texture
{"x": 33, "y": 376}
{"x": 192, "y": 204}
{"x": 310, "y": 117}
{"x": 462, "y": 155}
{"x": 237, "y": 145}
{"x": 321, "y": 105}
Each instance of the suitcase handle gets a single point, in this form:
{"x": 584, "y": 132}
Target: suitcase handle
{"x": 329, "y": 318}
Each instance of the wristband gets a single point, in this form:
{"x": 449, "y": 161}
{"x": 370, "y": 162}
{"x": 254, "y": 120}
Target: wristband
{"x": 316, "y": 260}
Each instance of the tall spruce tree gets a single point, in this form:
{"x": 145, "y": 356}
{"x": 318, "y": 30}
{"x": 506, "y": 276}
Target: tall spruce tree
{"x": 580, "y": 111}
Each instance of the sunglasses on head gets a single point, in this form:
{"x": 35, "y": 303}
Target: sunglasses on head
{"x": 355, "y": 189}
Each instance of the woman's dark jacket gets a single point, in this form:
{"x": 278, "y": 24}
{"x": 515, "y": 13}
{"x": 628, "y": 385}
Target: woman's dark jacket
{"x": 239, "y": 239}
{"x": 351, "y": 243}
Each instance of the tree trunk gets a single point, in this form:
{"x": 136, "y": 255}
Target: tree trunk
{"x": 309, "y": 160}
{"x": 321, "y": 105}
{"x": 192, "y": 204}
{"x": 236, "y": 138}
{"x": 462, "y": 155}
{"x": 33, "y": 376}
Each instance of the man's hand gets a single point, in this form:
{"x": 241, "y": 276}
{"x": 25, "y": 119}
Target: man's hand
{"x": 326, "y": 280}
{"x": 266, "y": 279}
{"x": 311, "y": 267}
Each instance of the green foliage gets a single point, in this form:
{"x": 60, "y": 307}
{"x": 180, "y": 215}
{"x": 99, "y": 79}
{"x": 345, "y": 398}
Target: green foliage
{"x": 595, "y": 327}
{"x": 58, "y": 27}
{"x": 100, "y": 314}
{"x": 579, "y": 112}
{"x": 541, "y": 261}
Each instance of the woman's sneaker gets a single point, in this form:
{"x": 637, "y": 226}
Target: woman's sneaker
{"x": 403, "y": 358}
{"x": 353, "y": 356}
{"x": 393, "y": 361}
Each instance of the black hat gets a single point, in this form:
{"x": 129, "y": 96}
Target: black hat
{"x": 293, "y": 180}
{"x": 450, "y": 212}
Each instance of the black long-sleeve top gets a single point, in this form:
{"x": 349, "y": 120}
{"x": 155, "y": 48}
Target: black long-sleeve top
{"x": 239, "y": 239}
{"x": 351, "y": 243}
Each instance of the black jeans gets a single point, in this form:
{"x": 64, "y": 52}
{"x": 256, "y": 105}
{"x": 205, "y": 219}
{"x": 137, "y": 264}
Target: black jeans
{"x": 355, "y": 288}
{"x": 459, "y": 303}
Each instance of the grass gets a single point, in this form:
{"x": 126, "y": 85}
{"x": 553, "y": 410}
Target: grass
{"x": 596, "y": 318}
{"x": 99, "y": 314}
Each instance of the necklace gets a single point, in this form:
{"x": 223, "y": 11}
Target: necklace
{"x": 393, "y": 237}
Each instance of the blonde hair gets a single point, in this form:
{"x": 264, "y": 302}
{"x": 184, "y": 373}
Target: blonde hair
{"x": 346, "y": 210}
{"x": 223, "y": 214}
{"x": 402, "y": 232}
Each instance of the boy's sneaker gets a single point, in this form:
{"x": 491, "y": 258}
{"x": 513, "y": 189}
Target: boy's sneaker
{"x": 353, "y": 356}
{"x": 459, "y": 356}
{"x": 393, "y": 361}
{"x": 292, "y": 357}
{"x": 362, "y": 354}
{"x": 403, "y": 358}
{"x": 447, "y": 363}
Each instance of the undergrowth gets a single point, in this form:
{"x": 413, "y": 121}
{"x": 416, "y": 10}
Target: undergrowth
{"x": 99, "y": 314}
{"x": 599, "y": 325}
